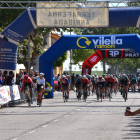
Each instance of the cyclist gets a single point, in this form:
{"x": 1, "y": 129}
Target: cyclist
{"x": 124, "y": 82}
{"x": 84, "y": 83}
{"x": 27, "y": 81}
{"x": 139, "y": 81}
{"x": 134, "y": 81}
{"x": 101, "y": 82}
{"x": 116, "y": 83}
{"x": 90, "y": 83}
{"x": 40, "y": 82}
{"x": 65, "y": 83}
{"x": 111, "y": 82}
{"x": 78, "y": 83}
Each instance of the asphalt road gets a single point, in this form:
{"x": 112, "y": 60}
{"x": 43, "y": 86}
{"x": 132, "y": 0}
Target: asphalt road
{"x": 73, "y": 120}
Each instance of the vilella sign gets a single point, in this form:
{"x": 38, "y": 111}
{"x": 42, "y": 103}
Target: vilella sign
{"x": 101, "y": 42}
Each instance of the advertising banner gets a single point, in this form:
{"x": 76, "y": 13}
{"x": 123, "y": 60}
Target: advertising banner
{"x": 119, "y": 53}
{"x": 78, "y": 16}
{"x": 4, "y": 96}
{"x": 16, "y": 92}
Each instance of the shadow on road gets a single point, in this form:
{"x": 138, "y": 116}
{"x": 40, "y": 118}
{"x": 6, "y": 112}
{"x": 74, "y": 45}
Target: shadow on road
{"x": 134, "y": 128}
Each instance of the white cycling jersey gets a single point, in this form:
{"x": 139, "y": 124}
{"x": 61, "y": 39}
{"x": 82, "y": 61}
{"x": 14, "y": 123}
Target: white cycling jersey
{"x": 102, "y": 80}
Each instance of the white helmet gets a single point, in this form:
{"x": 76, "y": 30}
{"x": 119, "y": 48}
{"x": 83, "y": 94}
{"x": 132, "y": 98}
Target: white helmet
{"x": 84, "y": 76}
{"x": 41, "y": 74}
{"x": 63, "y": 76}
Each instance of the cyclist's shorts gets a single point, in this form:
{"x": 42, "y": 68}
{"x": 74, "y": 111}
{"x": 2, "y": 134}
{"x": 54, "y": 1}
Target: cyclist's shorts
{"x": 66, "y": 85}
{"x": 115, "y": 82}
{"x": 124, "y": 83}
{"x": 27, "y": 84}
{"x": 84, "y": 85}
{"x": 93, "y": 82}
{"x": 110, "y": 83}
{"x": 39, "y": 87}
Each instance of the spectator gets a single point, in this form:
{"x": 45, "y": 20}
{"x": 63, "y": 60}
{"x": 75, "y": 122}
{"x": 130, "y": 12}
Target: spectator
{"x": 10, "y": 78}
{"x": 4, "y": 78}
{"x": 58, "y": 78}
{"x": 25, "y": 73}
{"x": 0, "y": 73}
{"x": 72, "y": 80}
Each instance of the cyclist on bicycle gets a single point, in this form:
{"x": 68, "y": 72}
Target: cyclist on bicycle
{"x": 84, "y": 83}
{"x": 124, "y": 82}
{"x": 111, "y": 82}
{"x": 139, "y": 81}
{"x": 78, "y": 83}
{"x": 65, "y": 83}
{"x": 27, "y": 81}
{"x": 134, "y": 81}
{"x": 101, "y": 82}
{"x": 40, "y": 82}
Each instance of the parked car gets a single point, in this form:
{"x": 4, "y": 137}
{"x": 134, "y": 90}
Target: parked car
{"x": 55, "y": 82}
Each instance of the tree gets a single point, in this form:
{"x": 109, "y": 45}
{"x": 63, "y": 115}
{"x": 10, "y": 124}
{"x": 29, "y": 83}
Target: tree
{"x": 37, "y": 37}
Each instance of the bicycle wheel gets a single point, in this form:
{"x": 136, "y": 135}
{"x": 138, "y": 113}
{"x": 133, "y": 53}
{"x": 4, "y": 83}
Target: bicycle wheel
{"x": 134, "y": 89}
{"x": 97, "y": 94}
{"x": 40, "y": 100}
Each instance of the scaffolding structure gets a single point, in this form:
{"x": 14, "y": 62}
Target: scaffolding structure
{"x": 68, "y": 4}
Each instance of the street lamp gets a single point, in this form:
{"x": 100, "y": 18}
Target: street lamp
{"x": 89, "y": 33}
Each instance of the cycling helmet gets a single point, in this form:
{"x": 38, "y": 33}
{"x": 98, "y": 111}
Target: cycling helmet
{"x": 80, "y": 76}
{"x": 68, "y": 76}
{"x": 123, "y": 75}
{"x": 77, "y": 75}
{"x": 93, "y": 76}
{"x": 84, "y": 76}
{"x": 63, "y": 76}
{"x": 103, "y": 75}
{"x": 41, "y": 74}
{"x": 111, "y": 76}
{"x": 26, "y": 77}
{"x": 100, "y": 77}
{"x": 0, "y": 71}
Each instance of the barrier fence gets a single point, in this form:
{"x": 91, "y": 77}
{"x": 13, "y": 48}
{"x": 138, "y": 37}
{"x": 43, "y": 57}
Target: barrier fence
{"x": 11, "y": 95}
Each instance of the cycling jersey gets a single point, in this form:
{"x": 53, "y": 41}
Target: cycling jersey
{"x": 78, "y": 82}
{"x": 124, "y": 81}
{"x": 84, "y": 81}
{"x": 101, "y": 82}
{"x": 134, "y": 79}
{"x": 40, "y": 81}
{"x": 27, "y": 81}
{"x": 65, "y": 81}
{"x": 111, "y": 80}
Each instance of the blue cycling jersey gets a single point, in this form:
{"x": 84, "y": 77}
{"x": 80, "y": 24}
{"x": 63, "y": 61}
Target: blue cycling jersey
{"x": 134, "y": 79}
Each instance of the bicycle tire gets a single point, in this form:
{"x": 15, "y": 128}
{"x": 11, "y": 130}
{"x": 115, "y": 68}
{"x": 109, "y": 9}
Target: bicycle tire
{"x": 134, "y": 89}
{"x": 101, "y": 96}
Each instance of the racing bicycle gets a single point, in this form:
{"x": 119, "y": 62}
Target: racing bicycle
{"x": 65, "y": 95}
{"x": 28, "y": 96}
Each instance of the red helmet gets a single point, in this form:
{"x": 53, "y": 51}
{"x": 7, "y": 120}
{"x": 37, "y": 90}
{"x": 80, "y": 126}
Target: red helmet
{"x": 26, "y": 77}
{"x": 100, "y": 77}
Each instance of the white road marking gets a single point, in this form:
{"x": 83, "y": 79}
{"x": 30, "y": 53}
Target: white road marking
{"x": 32, "y": 131}
{"x": 77, "y": 109}
{"x": 44, "y": 125}
{"x": 55, "y": 120}
{"x": 15, "y": 139}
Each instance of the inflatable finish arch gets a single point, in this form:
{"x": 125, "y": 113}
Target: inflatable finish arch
{"x": 26, "y": 23}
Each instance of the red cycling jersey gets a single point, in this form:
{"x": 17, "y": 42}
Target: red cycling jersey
{"x": 106, "y": 79}
{"x": 27, "y": 81}
{"x": 84, "y": 81}
{"x": 111, "y": 80}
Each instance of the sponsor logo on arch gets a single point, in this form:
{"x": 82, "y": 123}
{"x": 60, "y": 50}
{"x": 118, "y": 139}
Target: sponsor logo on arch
{"x": 101, "y": 42}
